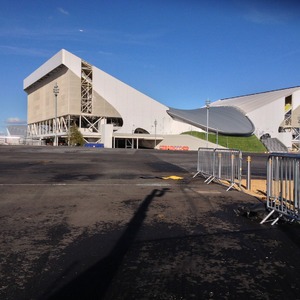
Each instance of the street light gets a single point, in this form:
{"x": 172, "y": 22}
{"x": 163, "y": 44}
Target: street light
{"x": 155, "y": 124}
{"x": 207, "y": 116}
{"x": 55, "y": 91}
{"x": 299, "y": 134}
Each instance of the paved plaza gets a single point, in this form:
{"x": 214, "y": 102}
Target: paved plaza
{"x": 88, "y": 223}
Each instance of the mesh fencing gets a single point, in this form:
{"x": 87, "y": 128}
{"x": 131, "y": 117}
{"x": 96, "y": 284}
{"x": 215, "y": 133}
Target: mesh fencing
{"x": 283, "y": 191}
{"x": 220, "y": 165}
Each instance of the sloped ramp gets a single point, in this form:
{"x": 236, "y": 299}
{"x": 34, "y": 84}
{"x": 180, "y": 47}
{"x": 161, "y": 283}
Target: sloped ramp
{"x": 184, "y": 142}
{"x": 274, "y": 145}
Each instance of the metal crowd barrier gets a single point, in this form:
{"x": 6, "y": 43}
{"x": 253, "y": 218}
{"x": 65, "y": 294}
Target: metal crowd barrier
{"x": 205, "y": 162}
{"x": 283, "y": 190}
{"x": 220, "y": 164}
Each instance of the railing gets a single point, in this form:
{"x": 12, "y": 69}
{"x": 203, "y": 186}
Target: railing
{"x": 206, "y": 159}
{"x": 283, "y": 190}
{"x": 220, "y": 165}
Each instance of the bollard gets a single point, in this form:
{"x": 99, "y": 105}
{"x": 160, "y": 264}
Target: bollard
{"x": 248, "y": 173}
{"x": 220, "y": 165}
{"x": 232, "y": 168}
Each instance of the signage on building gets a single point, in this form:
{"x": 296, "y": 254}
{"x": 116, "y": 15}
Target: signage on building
{"x": 178, "y": 148}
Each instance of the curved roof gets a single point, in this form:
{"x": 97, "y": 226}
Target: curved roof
{"x": 249, "y": 103}
{"x": 224, "y": 119}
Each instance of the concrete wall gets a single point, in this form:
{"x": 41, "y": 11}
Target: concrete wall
{"x": 103, "y": 108}
{"x": 137, "y": 109}
{"x": 106, "y": 135}
{"x": 267, "y": 118}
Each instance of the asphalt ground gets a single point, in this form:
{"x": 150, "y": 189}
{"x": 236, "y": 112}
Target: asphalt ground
{"x": 80, "y": 223}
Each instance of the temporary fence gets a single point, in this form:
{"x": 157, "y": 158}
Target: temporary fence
{"x": 283, "y": 191}
{"x": 220, "y": 165}
{"x": 206, "y": 159}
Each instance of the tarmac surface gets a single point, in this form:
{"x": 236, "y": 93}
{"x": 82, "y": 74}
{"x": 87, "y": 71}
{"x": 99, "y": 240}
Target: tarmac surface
{"x": 81, "y": 223}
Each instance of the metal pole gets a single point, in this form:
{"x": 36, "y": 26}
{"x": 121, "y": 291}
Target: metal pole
{"x": 207, "y": 117}
{"x": 69, "y": 132}
{"x": 55, "y": 140}
{"x": 55, "y": 91}
{"x": 232, "y": 168}
{"x": 299, "y": 134}
{"x": 220, "y": 166}
{"x": 155, "y": 124}
{"x": 249, "y": 173}
{"x": 132, "y": 141}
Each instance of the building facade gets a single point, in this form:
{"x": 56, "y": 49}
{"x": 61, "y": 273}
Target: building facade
{"x": 275, "y": 113}
{"x": 91, "y": 99}
{"x": 108, "y": 111}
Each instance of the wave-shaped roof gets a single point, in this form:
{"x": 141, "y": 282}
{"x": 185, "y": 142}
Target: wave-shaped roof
{"x": 249, "y": 103}
{"x": 226, "y": 120}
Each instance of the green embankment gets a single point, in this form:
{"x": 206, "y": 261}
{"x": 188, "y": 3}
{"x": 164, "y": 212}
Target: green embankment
{"x": 245, "y": 144}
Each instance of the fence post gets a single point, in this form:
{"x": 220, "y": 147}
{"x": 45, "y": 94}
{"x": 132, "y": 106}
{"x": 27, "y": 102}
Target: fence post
{"x": 232, "y": 168}
{"x": 277, "y": 178}
{"x": 296, "y": 188}
{"x": 269, "y": 179}
{"x": 249, "y": 173}
{"x": 220, "y": 165}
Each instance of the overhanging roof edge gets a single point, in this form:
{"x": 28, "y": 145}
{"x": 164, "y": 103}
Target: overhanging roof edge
{"x": 63, "y": 57}
{"x": 197, "y": 117}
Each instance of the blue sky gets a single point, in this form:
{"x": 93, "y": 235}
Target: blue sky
{"x": 179, "y": 52}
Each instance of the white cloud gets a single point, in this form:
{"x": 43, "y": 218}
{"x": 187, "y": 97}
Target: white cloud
{"x": 63, "y": 11}
{"x": 15, "y": 121}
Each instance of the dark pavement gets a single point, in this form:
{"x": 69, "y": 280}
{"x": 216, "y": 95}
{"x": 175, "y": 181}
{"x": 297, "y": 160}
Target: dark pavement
{"x": 80, "y": 223}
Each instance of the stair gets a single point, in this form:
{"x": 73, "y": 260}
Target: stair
{"x": 274, "y": 145}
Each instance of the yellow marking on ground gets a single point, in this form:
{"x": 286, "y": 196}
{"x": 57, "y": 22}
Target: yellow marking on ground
{"x": 172, "y": 177}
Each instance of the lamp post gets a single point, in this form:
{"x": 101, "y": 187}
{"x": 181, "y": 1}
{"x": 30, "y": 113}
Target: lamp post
{"x": 155, "y": 124}
{"x": 55, "y": 91}
{"x": 207, "y": 116}
{"x": 132, "y": 140}
{"x": 299, "y": 134}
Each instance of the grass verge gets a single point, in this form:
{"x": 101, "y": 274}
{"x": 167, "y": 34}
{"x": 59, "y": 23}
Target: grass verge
{"x": 244, "y": 143}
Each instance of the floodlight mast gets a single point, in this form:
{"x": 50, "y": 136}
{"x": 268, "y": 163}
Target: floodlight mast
{"x": 207, "y": 117}
{"x": 55, "y": 91}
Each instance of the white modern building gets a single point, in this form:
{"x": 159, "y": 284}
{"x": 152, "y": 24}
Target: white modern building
{"x": 111, "y": 112}
{"x": 275, "y": 114}
{"x": 99, "y": 104}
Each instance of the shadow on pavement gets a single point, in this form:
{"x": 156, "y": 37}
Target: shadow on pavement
{"x": 94, "y": 282}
